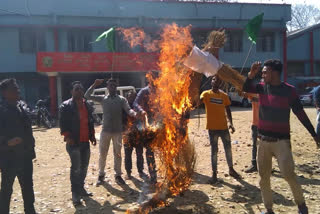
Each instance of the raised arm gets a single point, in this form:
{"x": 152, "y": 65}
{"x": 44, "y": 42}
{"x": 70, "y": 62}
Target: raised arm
{"x": 249, "y": 85}
{"x": 89, "y": 93}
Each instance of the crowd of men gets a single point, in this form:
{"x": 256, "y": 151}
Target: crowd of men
{"x": 272, "y": 101}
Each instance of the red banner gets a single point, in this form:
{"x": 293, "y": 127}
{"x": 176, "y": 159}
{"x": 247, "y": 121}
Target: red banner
{"x": 96, "y": 62}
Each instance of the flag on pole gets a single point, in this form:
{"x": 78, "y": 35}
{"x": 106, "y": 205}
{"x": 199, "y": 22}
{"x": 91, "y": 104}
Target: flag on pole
{"x": 109, "y": 35}
{"x": 253, "y": 27}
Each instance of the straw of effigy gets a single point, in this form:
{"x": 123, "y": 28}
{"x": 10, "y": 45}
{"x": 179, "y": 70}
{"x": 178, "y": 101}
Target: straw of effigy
{"x": 205, "y": 61}
{"x": 207, "y": 64}
{"x": 227, "y": 74}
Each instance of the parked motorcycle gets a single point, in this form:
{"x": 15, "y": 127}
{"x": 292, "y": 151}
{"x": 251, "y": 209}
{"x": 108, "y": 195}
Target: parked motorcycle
{"x": 40, "y": 115}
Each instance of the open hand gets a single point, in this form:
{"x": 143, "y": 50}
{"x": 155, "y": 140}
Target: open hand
{"x": 255, "y": 68}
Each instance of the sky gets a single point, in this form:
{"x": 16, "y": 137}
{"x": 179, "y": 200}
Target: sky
{"x": 315, "y": 3}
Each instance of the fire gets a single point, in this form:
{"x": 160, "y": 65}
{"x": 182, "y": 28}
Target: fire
{"x": 137, "y": 37}
{"x": 134, "y": 36}
{"x": 171, "y": 103}
{"x": 172, "y": 95}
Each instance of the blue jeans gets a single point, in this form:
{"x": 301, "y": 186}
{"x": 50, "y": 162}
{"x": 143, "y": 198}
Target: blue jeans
{"x": 79, "y": 156}
{"x": 318, "y": 123}
{"x": 128, "y": 149}
{"x": 130, "y": 142}
{"x": 254, "y": 134}
{"x": 24, "y": 173}
{"x": 225, "y": 137}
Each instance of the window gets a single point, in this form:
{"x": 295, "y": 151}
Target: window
{"x": 79, "y": 41}
{"x": 295, "y": 68}
{"x": 234, "y": 41}
{"x": 31, "y": 41}
{"x": 317, "y": 69}
{"x": 266, "y": 42}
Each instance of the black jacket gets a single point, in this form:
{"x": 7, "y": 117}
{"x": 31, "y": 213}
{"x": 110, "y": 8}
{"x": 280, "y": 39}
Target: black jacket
{"x": 70, "y": 120}
{"x": 14, "y": 122}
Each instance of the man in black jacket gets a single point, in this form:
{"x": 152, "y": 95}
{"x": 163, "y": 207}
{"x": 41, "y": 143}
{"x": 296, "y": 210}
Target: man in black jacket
{"x": 16, "y": 148}
{"x": 77, "y": 127}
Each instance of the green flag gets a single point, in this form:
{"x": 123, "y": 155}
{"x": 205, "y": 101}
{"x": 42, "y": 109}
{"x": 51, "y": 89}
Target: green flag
{"x": 109, "y": 35}
{"x": 253, "y": 27}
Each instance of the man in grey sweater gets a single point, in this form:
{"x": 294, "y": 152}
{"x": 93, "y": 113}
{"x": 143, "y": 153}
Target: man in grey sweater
{"x": 113, "y": 106}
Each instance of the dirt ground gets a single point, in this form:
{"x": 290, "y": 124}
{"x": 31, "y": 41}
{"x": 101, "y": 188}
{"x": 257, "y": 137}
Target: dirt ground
{"x": 52, "y": 185}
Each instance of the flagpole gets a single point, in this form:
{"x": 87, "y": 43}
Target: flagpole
{"x": 253, "y": 28}
{"x": 112, "y": 65}
{"x": 109, "y": 34}
{"x": 245, "y": 61}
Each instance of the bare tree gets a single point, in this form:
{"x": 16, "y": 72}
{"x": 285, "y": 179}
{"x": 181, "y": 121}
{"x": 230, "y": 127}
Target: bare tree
{"x": 303, "y": 16}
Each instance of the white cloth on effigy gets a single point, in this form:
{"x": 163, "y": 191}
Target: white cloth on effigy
{"x": 202, "y": 62}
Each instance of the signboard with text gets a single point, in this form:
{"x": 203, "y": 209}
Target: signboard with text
{"x": 96, "y": 62}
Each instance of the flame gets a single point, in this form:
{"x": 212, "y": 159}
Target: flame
{"x": 170, "y": 102}
{"x": 134, "y": 36}
{"x": 172, "y": 95}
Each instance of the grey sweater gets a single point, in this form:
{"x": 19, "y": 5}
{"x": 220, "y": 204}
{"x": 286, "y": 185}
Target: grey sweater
{"x": 112, "y": 107}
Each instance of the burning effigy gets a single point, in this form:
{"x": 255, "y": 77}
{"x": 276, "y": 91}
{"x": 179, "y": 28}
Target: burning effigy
{"x": 206, "y": 62}
{"x": 171, "y": 103}
{"x": 176, "y": 92}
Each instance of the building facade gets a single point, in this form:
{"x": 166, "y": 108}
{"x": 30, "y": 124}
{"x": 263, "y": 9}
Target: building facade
{"x": 304, "y": 57}
{"x": 69, "y": 27}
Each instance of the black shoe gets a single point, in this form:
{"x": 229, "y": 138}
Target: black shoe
{"x": 234, "y": 174}
{"x": 143, "y": 175}
{"x": 129, "y": 176}
{"x": 153, "y": 181}
{"x": 100, "y": 180}
{"x": 83, "y": 192}
{"x": 303, "y": 209}
{"x": 253, "y": 168}
{"x": 76, "y": 199}
{"x": 213, "y": 179}
{"x": 268, "y": 212}
{"x": 119, "y": 180}
{"x": 30, "y": 210}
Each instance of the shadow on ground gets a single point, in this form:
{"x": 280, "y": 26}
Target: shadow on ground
{"x": 192, "y": 201}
